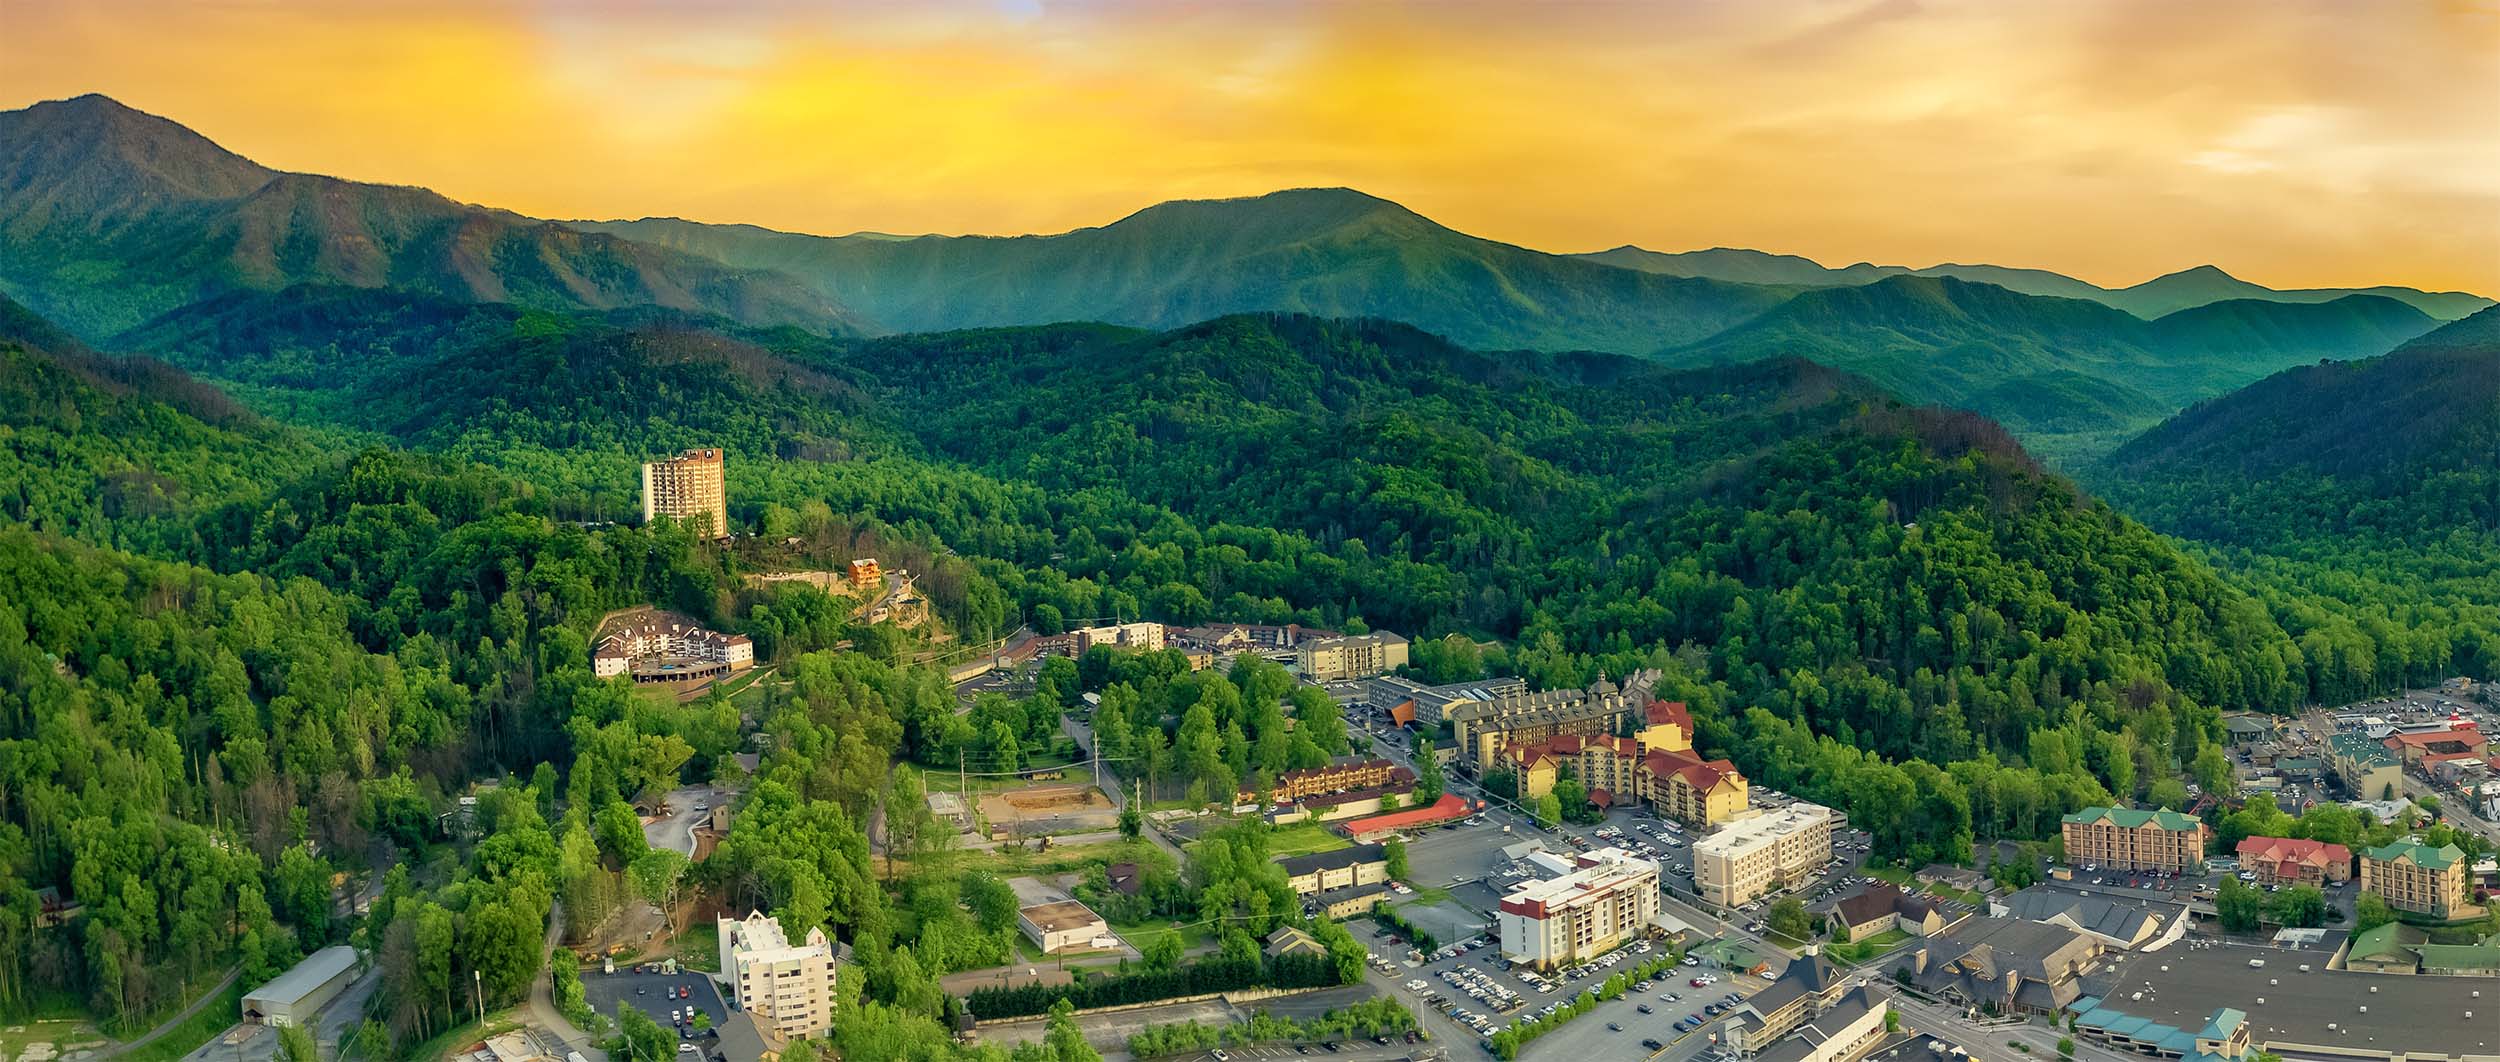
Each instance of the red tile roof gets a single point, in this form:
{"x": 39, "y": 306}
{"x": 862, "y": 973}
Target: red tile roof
{"x": 1450, "y": 806}
{"x": 1700, "y": 773}
{"x": 2279, "y": 850}
{"x": 1671, "y": 712}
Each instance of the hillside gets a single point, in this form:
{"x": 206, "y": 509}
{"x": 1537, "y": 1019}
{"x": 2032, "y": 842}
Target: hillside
{"x": 2051, "y": 364}
{"x": 109, "y": 217}
{"x": 120, "y": 450}
{"x": 1324, "y": 251}
{"x": 2153, "y": 298}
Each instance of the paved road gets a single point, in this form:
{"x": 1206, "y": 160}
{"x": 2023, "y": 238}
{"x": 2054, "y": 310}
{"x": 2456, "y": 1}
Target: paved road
{"x": 677, "y": 830}
{"x": 1083, "y": 735}
{"x": 162, "y": 1030}
{"x": 542, "y": 1005}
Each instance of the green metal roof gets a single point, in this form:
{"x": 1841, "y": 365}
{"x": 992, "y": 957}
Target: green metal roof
{"x": 2222, "y": 1024}
{"x": 2484, "y": 956}
{"x": 2363, "y": 748}
{"x": 2425, "y": 856}
{"x": 2130, "y": 818}
{"x": 2390, "y": 939}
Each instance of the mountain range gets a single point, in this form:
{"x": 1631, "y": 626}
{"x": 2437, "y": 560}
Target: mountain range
{"x": 2161, "y": 295}
{"x": 138, "y": 234}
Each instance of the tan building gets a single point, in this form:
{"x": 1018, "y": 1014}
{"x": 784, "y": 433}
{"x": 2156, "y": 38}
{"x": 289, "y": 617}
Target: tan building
{"x": 1608, "y": 901}
{"x": 1318, "y": 872}
{"x": 656, "y": 646}
{"x": 2420, "y": 878}
{"x": 1339, "y": 777}
{"x": 1484, "y": 728}
{"x": 2127, "y": 839}
{"x": 2295, "y": 861}
{"x": 1657, "y": 766}
{"x": 787, "y": 988}
{"x": 1750, "y": 856}
{"x": 2369, "y": 770}
{"x": 1063, "y": 926}
{"x": 1356, "y": 657}
{"x": 688, "y": 486}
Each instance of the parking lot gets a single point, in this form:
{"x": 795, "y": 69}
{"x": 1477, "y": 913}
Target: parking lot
{"x": 654, "y": 994}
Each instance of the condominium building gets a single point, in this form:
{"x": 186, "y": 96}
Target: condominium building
{"x": 1318, "y": 872}
{"x": 1485, "y": 728}
{"x": 1656, "y": 766}
{"x": 1755, "y": 854}
{"x": 787, "y": 988}
{"x": 1346, "y": 774}
{"x": 656, "y": 646}
{"x": 687, "y": 487}
{"x": 1357, "y": 657}
{"x": 2295, "y": 861}
{"x": 1609, "y": 900}
{"x": 2127, "y": 839}
{"x": 2419, "y": 878}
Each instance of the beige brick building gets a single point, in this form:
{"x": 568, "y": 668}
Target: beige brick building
{"x": 787, "y": 988}
{"x": 1355, "y": 657}
{"x": 1750, "y": 855}
{"x": 1609, "y": 900}
{"x": 2420, "y": 878}
{"x": 688, "y": 486}
{"x": 2126, "y": 839}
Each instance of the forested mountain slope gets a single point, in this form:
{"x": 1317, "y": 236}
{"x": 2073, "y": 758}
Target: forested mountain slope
{"x": 2363, "y": 498}
{"x": 2051, "y": 364}
{"x": 1327, "y": 251}
{"x": 2165, "y": 294}
{"x": 109, "y": 217}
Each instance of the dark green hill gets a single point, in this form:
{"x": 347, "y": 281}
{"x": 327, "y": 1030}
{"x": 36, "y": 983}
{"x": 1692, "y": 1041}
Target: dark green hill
{"x": 2161, "y": 295}
{"x": 109, "y": 217}
{"x": 1325, "y": 251}
{"x": 108, "y": 448}
{"x": 2049, "y": 364}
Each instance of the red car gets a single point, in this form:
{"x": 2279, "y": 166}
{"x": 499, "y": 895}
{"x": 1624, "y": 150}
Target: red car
{"x": 1698, "y": 982}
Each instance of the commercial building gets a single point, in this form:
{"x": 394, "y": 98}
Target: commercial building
{"x": 1352, "y": 900}
{"x": 298, "y": 995}
{"x": 1762, "y": 852}
{"x": 2295, "y": 861}
{"x": 1449, "y": 808}
{"x": 2224, "y": 1036}
{"x": 1485, "y": 728}
{"x": 2366, "y": 766}
{"x": 1845, "y": 1030}
{"x": 2126, "y": 839}
{"x": 1358, "y": 657}
{"x": 1608, "y": 901}
{"x": 2127, "y": 925}
{"x": 1345, "y": 774}
{"x": 2009, "y": 966}
{"x": 1363, "y": 864}
{"x": 1142, "y": 637}
{"x": 688, "y": 487}
{"x": 1063, "y": 926}
{"x": 2425, "y": 749}
{"x": 655, "y": 646}
{"x": 2314, "y": 1014}
{"x": 2419, "y": 878}
{"x": 1884, "y": 907}
{"x": 1408, "y": 701}
{"x": 787, "y": 988}
{"x": 1249, "y": 637}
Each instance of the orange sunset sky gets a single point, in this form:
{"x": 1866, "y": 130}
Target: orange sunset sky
{"x": 2292, "y": 143}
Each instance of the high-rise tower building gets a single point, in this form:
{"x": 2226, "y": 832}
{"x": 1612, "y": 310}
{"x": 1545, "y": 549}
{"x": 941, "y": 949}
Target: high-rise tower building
{"x": 687, "y": 487}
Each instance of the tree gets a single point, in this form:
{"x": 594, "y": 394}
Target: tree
{"x": 2213, "y": 771}
{"x": 1163, "y": 952}
{"x": 1789, "y": 919}
{"x": 2065, "y": 1047}
{"x": 2241, "y": 908}
{"x": 1428, "y": 780}
{"x": 1547, "y": 809}
{"x": 2370, "y": 912}
{"x": 2297, "y": 907}
{"x": 1395, "y": 853}
{"x": 993, "y": 901}
{"x": 1132, "y": 821}
{"x": 640, "y": 1039}
{"x": 295, "y": 1044}
{"x": 2167, "y": 793}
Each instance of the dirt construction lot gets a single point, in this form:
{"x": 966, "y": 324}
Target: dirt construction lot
{"x": 1048, "y": 809}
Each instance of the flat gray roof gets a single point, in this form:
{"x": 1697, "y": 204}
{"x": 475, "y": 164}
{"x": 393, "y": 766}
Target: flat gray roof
{"x": 315, "y": 971}
{"x": 2416, "y": 1013}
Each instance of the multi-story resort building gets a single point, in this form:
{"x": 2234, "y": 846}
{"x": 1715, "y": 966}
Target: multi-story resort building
{"x": 1657, "y": 766}
{"x": 1485, "y": 728}
{"x": 2419, "y": 878}
{"x": 1756, "y": 853}
{"x": 655, "y": 646}
{"x": 1610, "y": 899}
{"x": 1358, "y": 657}
{"x": 2126, "y": 839}
{"x": 787, "y": 988}
{"x": 2295, "y": 861}
{"x": 688, "y": 486}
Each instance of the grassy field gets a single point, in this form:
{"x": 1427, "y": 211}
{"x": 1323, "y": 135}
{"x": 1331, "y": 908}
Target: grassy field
{"x": 1910, "y": 882}
{"x": 698, "y": 948}
{"x": 1304, "y": 838}
{"x": 200, "y": 1029}
{"x": 1858, "y": 951}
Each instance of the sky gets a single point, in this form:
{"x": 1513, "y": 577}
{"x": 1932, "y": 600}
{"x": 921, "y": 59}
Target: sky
{"x": 2291, "y": 143}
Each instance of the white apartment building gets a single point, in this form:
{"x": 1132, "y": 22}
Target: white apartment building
{"x": 1748, "y": 856}
{"x": 1607, "y": 901}
{"x": 787, "y": 988}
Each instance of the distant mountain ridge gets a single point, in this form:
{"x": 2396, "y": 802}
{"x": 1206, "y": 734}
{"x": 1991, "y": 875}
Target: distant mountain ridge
{"x": 1331, "y": 252}
{"x": 110, "y": 216}
{"x": 2153, "y": 298}
{"x": 2041, "y": 363}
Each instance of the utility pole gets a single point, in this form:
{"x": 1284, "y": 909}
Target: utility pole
{"x": 477, "y": 992}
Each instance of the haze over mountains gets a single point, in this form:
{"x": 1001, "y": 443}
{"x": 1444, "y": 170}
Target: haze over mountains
{"x": 134, "y": 232}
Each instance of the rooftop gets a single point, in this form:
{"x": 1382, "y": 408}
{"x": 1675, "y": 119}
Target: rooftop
{"x": 1336, "y": 860}
{"x": 316, "y": 970}
{"x": 1059, "y": 916}
{"x": 2289, "y": 1009}
{"x": 2131, "y": 818}
{"x": 1745, "y": 833}
{"x": 2422, "y": 855}
{"x": 1600, "y": 871}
